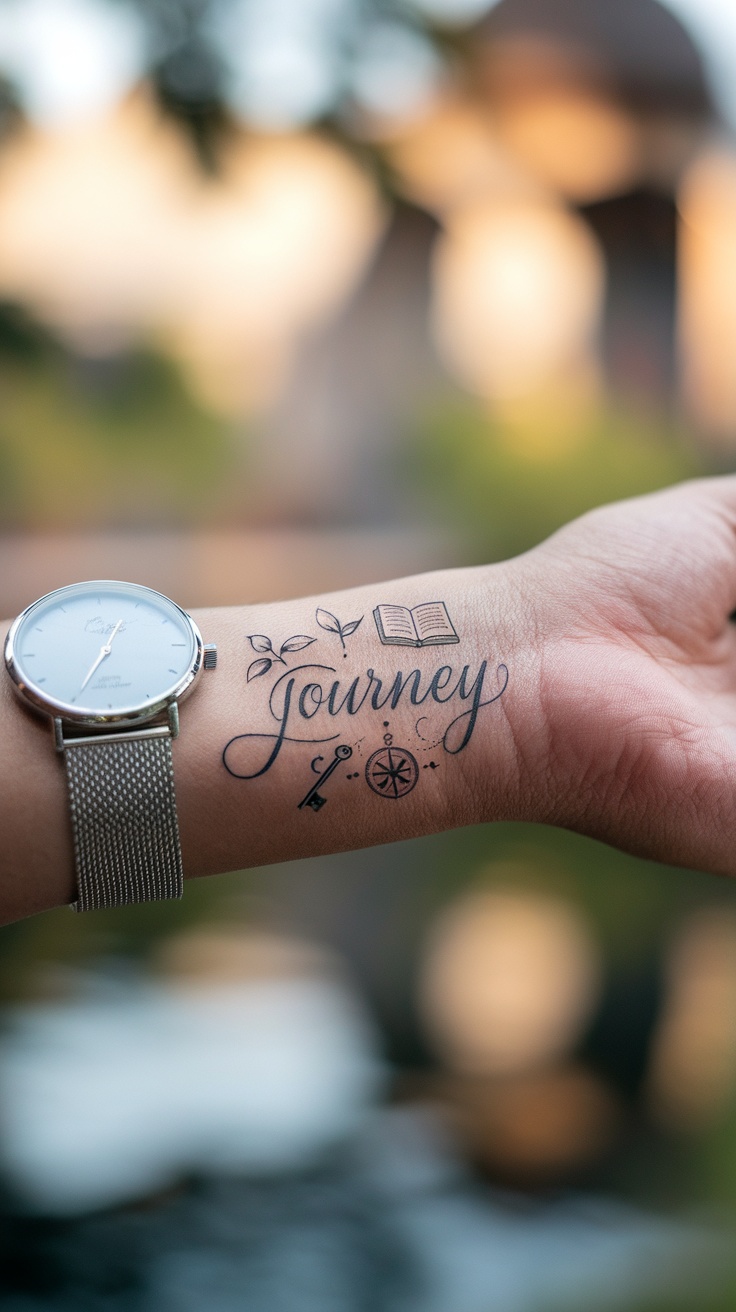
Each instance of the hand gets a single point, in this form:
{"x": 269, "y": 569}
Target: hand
{"x": 104, "y": 651}
{"x": 618, "y": 718}
{"x": 634, "y": 736}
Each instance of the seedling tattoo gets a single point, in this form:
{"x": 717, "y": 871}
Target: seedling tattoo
{"x": 259, "y": 642}
{"x": 310, "y": 695}
{"x": 331, "y": 624}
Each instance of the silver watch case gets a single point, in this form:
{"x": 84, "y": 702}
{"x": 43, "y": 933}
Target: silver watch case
{"x": 163, "y": 710}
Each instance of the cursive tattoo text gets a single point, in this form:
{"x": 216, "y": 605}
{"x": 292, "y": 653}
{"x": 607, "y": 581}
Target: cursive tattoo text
{"x": 310, "y": 696}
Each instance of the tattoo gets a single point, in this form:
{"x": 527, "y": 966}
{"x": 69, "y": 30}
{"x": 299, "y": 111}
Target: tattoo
{"x": 427, "y": 625}
{"x": 331, "y": 623}
{"x": 314, "y": 799}
{"x": 305, "y": 692}
{"x": 259, "y": 642}
{"x": 391, "y": 771}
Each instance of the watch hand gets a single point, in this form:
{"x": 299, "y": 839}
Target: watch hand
{"x": 112, "y": 635}
{"x": 104, "y": 651}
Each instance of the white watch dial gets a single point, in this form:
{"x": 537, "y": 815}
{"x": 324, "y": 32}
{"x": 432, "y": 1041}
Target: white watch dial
{"x": 104, "y": 648}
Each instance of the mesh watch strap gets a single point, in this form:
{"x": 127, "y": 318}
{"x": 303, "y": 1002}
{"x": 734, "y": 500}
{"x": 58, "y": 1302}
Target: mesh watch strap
{"x": 123, "y": 809}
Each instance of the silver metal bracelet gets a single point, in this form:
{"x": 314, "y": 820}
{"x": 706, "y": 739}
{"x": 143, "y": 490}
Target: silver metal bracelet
{"x": 124, "y": 822}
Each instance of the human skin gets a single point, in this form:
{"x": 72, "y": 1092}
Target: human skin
{"x": 593, "y": 686}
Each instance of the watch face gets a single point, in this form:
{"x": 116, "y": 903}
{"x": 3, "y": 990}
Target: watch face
{"x": 103, "y": 651}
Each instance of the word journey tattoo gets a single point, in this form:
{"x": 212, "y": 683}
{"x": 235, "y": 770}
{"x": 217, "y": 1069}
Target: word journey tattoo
{"x": 428, "y": 625}
{"x": 260, "y": 643}
{"x": 305, "y": 701}
{"x": 391, "y": 771}
{"x": 314, "y": 798}
{"x": 331, "y": 624}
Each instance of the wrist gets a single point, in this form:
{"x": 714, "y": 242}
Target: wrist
{"x": 281, "y": 714}
{"x": 506, "y": 769}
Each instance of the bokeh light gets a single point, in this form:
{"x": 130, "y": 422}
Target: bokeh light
{"x": 693, "y": 1072}
{"x": 70, "y": 59}
{"x": 707, "y": 269}
{"x": 581, "y": 144}
{"x": 509, "y": 979}
{"x": 109, "y": 233}
{"x": 451, "y": 156}
{"x": 518, "y": 296}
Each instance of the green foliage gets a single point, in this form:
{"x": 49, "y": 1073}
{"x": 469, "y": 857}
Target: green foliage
{"x": 21, "y": 338}
{"x": 719, "y": 1299}
{"x": 509, "y": 489}
{"x": 103, "y": 443}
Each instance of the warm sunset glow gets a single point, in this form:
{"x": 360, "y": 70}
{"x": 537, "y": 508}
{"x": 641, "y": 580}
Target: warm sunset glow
{"x": 707, "y": 306}
{"x": 87, "y": 217}
{"x": 265, "y": 257}
{"x": 579, "y": 142}
{"x": 518, "y": 296}
{"x": 109, "y": 232}
{"x": 508, "y": 981}
{"x": 452, "y": 156}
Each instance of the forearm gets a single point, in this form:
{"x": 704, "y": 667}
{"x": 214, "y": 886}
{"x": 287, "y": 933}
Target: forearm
{"x": 398, "y": 739}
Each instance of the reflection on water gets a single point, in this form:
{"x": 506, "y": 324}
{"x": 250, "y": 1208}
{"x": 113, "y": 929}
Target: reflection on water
{"x": 216, "y": 1138}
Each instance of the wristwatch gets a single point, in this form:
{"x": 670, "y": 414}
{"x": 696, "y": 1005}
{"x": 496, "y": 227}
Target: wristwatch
{"x": 109, "y": 663}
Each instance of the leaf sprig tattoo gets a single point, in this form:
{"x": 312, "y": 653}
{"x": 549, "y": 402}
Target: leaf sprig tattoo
{"x": 260, "y": 643}
{"x": 331, "y": 623}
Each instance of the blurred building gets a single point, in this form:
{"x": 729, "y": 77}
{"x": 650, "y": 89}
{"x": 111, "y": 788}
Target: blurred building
{"x": 609, "y": 103}
{"x": 550, "y": 264}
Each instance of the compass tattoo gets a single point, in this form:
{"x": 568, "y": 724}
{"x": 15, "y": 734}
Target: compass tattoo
{"x": 392, "y": 772}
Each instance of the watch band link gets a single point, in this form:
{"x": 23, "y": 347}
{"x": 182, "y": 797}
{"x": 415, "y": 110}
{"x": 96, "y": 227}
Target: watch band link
{"x": 123, "y": 810}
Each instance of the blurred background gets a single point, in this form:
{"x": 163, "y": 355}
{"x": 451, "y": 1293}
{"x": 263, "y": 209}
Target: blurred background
{"x": 296, "y": 294}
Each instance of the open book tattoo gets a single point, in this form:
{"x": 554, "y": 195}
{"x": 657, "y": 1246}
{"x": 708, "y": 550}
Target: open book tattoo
{"x": 427, "y": 625}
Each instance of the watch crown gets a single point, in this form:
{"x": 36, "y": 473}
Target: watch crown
{"x": 210, "y": 655}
